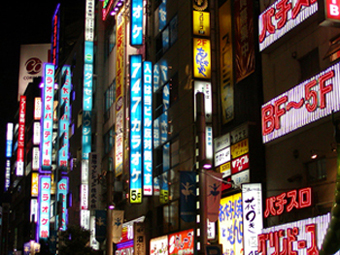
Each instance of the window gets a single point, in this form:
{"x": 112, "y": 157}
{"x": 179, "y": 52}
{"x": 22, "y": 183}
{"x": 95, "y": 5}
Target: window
{"x": 109, "y": 140}
{"x": 316, "y": 170}
{"x": 166, "y": 38}
{"x": 110, "y": 40}
{"x": 309, "y": 64}
{"x": 109, "y": 98}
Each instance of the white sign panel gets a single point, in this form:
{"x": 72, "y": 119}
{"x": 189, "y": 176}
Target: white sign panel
{"x": 205, "y": 88}
{"x": 241, "y": 177}
{"x": 222, "y": 156}
{"x": 222, "y": 142}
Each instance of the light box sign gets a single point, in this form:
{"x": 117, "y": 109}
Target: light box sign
{"x": 84, "y": 191}
{"x": 44, "y": 207}
{"x": 147, "y": 128}
{"x": 287, "y": 201}
{"x": 36, "y": 133}
{"x": 64, "y": 99}
{"x": 7, "y": 174}
{"x": 201, "y": 23}
{"x": 182, "y": 242}
{"x": 159, "y": 246}
{"x": 299, "y": 237}
{"x": 37, "y": 108}
{"x": 9, "y": 140}
{"x": 47, "y": 119}
{"x": 281, "y": 17}
{"x": 35, "y": 184}
{"x": 307, "y": 102}
{"x": 136, "y": 27}
{"x": 35, "y": 158}
{"x": 88, "y": 76}
{"x": 62, "y": 190}
{"x": 332, "y": 10}
{"x": 205, "y": 88}
{"x": 252, "y": 215}
{"x": 209, "y": 142}
{"x": 202, "y": 58}
{"x": 87, "y": 133}
{"x": 231, "y": 218}
{"x": 136, "y": 129}
{"x": 21, "y": 137}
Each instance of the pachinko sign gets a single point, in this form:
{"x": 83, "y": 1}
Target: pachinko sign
{"x": 182, "y": 243}
{"x": 281, "y": 17}
{"x": 47, "y": 119}
{"x": 287, "y": 201}
{"x": 44, "y": 207}
{"x": 300, "y": 237}
{"x": 307, "y": 102}
{"x": 230, "y": 224}
{"x": 136, "y": 129}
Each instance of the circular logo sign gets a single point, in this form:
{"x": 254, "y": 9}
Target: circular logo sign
{"x": 33, "y": 66}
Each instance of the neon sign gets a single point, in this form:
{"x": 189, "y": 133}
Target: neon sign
{"x": 21, "y": 137}
{"x": 55, "y": 36}
{"x": 136, "y": 26}
{"x": 62, "y": 190}
{"x": 47, "y": 119}
{"x": 287, "y": 201}
{"x": 135, "y": 129}
{"x": 147, "y": 128}
{"x": 281, "y": 17}
{"x": 44, "y": 207}
{"x": 307, "y": 102}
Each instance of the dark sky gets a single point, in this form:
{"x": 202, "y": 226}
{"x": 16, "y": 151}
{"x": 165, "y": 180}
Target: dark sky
{"x": 25, "y": 22}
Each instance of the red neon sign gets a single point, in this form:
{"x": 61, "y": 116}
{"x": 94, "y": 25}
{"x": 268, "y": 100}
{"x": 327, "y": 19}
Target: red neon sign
{"x": 287, "y": 201}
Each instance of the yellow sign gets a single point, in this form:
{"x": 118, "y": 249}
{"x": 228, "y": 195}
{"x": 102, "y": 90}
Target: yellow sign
{"x": 225, "y": 169}
{"x": 201, "y": 23}
{"x": 34, "y": 186}
{"x": 239, "y": 148}
{"x": 230, "y": 224}
{"x": 202, "y": 58}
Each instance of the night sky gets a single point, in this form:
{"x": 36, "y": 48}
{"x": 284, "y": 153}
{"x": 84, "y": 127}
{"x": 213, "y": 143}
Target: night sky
{"x": 27, "y": 22}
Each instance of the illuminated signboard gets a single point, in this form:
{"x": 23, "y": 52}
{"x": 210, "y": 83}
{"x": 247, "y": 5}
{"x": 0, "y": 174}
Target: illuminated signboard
{"x": 37, "y": 108}
{"x": 55, "y": 36}
{"x": 222, "y": 156}
{"x": 64, "y": 121}
{"x": 202, "y": 58}
{"x": 47, "y": 119}
{"x": 35, "y": 158}
{"x": 7, "y": 174}
{"x": 209, "y": 142}
{"x": 287, "y": 201}
{"x": 94, "y": 186}
{"x": 34, "y": 210}
{"x": 240, "y": 164}
{"x": 231, "y": 217}
{"x": 147, "y": 128}
{"x": 182, "y": 242}
{"x": 84, "y": 196}
{"x": 88, "y": 76}
{"x": 62, "y": 190}
{"x": 9, "y": 140}
{"x": 136, "y": 27}
{"x": 281, "y": 17}
{"x": 299, "y": 237}
{"x": 35, "y": 184}
{"x": 44, "y": 207}
{"x": 332, "y": 10}
{"x": 136, "y": 129}
{"x": 120, "y": 76}
{"x": 239, "y": 148}
{"x": 307, "y": 102}
{"x": 252, "y": 215}
{"x": 36, "y": 133}
{"x": 159, "y": 246}
{"x": 205, "y": 88}
{"x": 21, "y": 137}
{"x": 162, "y": 14}
{"x": 201, "y": 23}
{"x": 89, "y": 20}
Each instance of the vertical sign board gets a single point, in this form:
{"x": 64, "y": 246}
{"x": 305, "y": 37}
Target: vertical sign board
{"x": 7, "y": 174}
{"x": 252, "y": 215}
{"x": 62, "y": 190}
{"x": 94, "y": 186}
{"x": 136, "y": 27}
{"x": 230, "y": 218}
{"x": 226, "y": 60}
{"x": 120, "y": 66}
{"x": 44, "y": 207}
{"x": 135, "y": 129}
{"x": 55, "y": 37}
{"x": 21, "y": 137}
{"x": 35, "y": 184}
{"x": 205, "y": 88}
{"x": 147, "y": 128}
{"x": 47, "y": 119}
{"x": 64, "y": 99}
{"x": 139, "y": 238}
{"x": 201, "y": 23}
{"x": 9, "y": 140}
{"x": 202, "y": 58}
